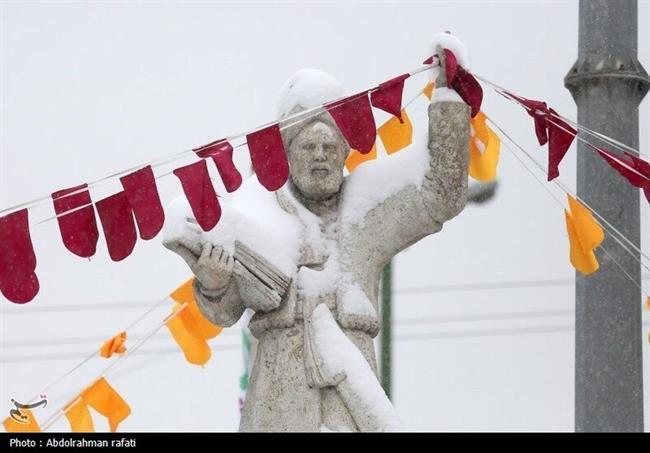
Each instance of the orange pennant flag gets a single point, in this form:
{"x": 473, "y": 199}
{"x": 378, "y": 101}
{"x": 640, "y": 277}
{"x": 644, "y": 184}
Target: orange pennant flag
{"x": 189, "y": 328}
{"x": 395, "y": 134}
{"x": 113, "y": 345}
{"x": 196, "y": 349}
{"x": 191, "y": 316}
{"x": 584, "y": 236}
{"x": 355, "y": 158}
{"x": 428, "y": 89}
{"x": 79, "y": 417}
{"x": 590, "y": 233}
{"x": 21, "y": 421}
{"x": 105, "y": 400}
{"x": 484, "y": 150}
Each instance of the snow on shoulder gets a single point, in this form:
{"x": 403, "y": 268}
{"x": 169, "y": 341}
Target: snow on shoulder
{"x": 374, "y": 181}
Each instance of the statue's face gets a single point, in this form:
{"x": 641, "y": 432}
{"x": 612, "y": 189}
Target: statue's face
{"x": 317, "y": 155}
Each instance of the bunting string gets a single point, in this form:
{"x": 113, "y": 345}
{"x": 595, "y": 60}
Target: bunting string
{"x": 111, "y": 367}
{"x": 507, "y": 94}
{"x": 566, "y": 191}
{"x": 94, "y": 354}
{"x": 311, "y": 112}
{"x": 301, "y": 117}
{"x": 589, "y": 131}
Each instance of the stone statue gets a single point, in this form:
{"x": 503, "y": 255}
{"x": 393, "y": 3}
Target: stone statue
{"x": 315, "y": 366}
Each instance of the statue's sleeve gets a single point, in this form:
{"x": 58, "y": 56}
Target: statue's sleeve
{"x": 444, "y": 188}
{"x": 416, "y": 211}
{"x": 221, "y": 309}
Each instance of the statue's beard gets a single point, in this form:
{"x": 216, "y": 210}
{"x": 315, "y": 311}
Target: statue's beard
{"x": 318, "y": 188}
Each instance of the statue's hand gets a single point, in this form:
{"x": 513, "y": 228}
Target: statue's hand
{"x": 213, "y": 267}
{"x": 441, "y": 80}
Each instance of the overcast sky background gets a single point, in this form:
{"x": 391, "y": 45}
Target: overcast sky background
{"x": 89, "y": 89}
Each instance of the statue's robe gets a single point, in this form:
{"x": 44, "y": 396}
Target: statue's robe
{"x": 385, "y": 206}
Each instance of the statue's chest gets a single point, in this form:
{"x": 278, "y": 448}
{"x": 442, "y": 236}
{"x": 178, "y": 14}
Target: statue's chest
{"x": 319, "y": 270}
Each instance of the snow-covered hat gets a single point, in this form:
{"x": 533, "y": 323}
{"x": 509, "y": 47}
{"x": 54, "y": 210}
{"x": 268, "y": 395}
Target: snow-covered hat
{"x": 306, "y": 89}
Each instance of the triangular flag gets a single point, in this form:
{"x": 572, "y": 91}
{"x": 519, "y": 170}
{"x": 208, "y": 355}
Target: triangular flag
{"x": 451, "y": 66}
{"x": 18, "y": 282}
{"x": 203, "y": 328}
{"x": 105, "y": 400}
{"x": 395, "y": 134}
{"x": 21, "y": 421}
{"x": 538, "y": 110}
{"x": 142, "y": 195}
{"x": 196, "y": 350}
{"x": 221, "y": 153}
{"x": 116, "y": 217}
{"x": 78, "y": 227}
{"x": 584, "y": 236}
{"x": 354, "y": 118}
{"x": 560, "y": 137}
{"x": 200, "y": 194}
{"x": 388, "y": 96}
{"x": 586, "y": 263}
{"x": 590, "y": 233}
{"x": 550, "y": 129}
{"x": 634, "y": 170}
{"x": 79, "y": 417}
{"x": 113, "y": 345}
{"x": 484, "y": 150}
{"x": 463, "y": 83}
{"x": 642, "y": 167}
{"x": 428, "y": 89}
{"x": 269, "y": 157}
{"x": 355, "y": 158}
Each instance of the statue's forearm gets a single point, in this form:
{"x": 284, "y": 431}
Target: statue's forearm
{"x": 223, "y": 308}
{"x": 445, "y": 183}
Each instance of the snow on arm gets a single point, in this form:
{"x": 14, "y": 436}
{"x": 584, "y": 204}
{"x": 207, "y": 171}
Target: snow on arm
{"x": 252, "y": 217}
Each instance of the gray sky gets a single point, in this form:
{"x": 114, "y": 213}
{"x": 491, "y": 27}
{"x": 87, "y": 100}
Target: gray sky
{"x": 89, "y": 89}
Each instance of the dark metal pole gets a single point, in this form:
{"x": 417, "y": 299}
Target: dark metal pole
{"x": 386, "y": 324}
{"x": 608, "y": 83}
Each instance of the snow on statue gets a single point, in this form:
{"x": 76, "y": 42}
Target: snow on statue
{"x": 330, "y": 236}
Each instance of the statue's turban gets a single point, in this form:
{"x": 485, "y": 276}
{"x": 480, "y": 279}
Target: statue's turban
{"x": 306, "y": 89}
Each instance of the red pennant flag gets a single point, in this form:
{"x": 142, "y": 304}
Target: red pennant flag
{"x": 469, "y": 90}
{"x": 353, "y": 116}
{"x": 538, "y": 110}
{"x": 389, "y": 96}
{"x": 142, "y": 195}
{"x": 269, "y": 157}
{"x": 79, "y": 228}
{"x": 463, "y": 82}
{"x": 116, "y": 217}
{"x": 560, "y": 137}
{"x": 429, "y": 60}
{"x": 626, "y": 168}
{"x": 550, "y": 129}
{"x": 200, "y": 193}
{"x": 221, "y": 153}
{"x": 643, "y": 167}
{"x": 18, "y": 282}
